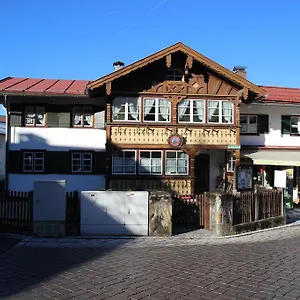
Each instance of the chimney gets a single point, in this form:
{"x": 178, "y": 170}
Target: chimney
{"x": 239, "y": 70}
{"x": 118, "y": 65}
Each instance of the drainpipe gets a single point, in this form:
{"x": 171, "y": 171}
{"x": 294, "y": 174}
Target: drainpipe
{"x": 7, "y": 140}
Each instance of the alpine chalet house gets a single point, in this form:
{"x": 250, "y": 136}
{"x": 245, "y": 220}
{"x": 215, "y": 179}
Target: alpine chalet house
{"x": 54, "y": 132}
{"x": 270, "y": 137}
{"x": 172, "y": 121}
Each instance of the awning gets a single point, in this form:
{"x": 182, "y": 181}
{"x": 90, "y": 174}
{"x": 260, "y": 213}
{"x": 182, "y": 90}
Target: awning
{"x": 273, "y": 157}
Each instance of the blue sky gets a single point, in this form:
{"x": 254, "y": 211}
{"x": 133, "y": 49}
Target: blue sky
{"x": 80, "y": 39}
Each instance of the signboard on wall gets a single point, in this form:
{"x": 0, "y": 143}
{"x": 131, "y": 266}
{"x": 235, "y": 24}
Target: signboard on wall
{"x": 280, "y": 179}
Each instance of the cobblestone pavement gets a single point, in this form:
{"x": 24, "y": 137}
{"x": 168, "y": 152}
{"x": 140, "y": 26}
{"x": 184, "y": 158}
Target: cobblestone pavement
{"x": 263, "y": 265}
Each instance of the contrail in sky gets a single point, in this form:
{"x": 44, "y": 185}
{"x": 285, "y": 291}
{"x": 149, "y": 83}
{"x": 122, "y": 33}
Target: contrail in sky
{"x": 146, "y": 14}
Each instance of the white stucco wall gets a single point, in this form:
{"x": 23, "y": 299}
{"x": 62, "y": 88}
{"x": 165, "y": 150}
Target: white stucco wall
{"x": 274, "y": 137}
{"x": 25, "y": 182}
{"x": 2, "y": 155}
{"x": 57, "y": 139}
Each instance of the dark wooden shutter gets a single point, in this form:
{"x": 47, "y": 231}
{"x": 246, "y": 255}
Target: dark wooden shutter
{"x": 99, "y": 162}
{"x": 99, "y": 120}
{"x": 15, "y": 162}
{"x": 15, "y": 118}
{"x": 64, "y": 119}
{"x": 263, "y": 123}
{"x": 57, "y": 162}
{"x": 52, "y": 119}
{"x": 285, "y": 124}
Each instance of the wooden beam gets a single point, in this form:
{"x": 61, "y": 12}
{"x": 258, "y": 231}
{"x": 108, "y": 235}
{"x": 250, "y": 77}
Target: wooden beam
{"x": 169, "y": 60}
{"x": 108, "y": 88}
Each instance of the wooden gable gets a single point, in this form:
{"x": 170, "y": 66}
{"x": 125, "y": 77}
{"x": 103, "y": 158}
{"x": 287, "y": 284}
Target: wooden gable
{"x": 201, "y": 76}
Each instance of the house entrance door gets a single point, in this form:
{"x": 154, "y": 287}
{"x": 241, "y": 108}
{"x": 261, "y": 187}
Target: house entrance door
{"x": 201, "y": 184}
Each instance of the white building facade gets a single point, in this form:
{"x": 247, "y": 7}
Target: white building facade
{"x": 55, "y": 132}
{"x": 270, "y": 137}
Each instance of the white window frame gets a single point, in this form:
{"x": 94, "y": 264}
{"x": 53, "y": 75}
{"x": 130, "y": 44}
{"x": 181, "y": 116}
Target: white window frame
{"x": 220, "y": 112}
{"x": 83, "y": 109}
{"x": 34, "y": 109}
{"x": 123, "y": 165}
{"x": 192, "y": 111}
{"x": 34, "y": 161}
{"x": 248, "y": 123}
{"x": 156, "y": 110}
{"x": 127, "y": 112}
{"x": 161, "y": 162}
{"x": 81, "y": 159}
{"x": 295, "y": 126}
{"x": 176, "y": 160}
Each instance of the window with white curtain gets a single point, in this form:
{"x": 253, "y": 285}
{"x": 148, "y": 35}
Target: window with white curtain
{"x": 248, "y": 123}
{"x": 157, "y": 110}
{"x": 191, "y": 110}
{"x": 83, "y": 117}
{"x": 126, "y": 109}
{"x": 34, "y": 116}
{"x": 124, "y": 162}
{"x": 177, "y": 163}
{"x": 150, "y": 162}
{"x": 219, "y": 111}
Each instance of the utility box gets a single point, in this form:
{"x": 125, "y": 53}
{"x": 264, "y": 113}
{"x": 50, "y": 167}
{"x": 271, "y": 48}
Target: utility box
{"x": 114, "y": 213}
{"x": 49, "y": 208}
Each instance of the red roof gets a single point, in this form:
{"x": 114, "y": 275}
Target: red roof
{"x": 281, "y": 94}
{"x": 43, "y": 86}
{"x": 65, "y": 87}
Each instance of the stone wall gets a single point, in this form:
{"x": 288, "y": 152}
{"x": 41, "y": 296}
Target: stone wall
{"x": 160, "y": 213}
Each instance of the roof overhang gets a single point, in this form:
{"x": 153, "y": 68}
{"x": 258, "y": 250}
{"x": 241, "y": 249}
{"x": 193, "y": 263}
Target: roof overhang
{"x": 210, "y": 64}
{"x": 273, "y": 157}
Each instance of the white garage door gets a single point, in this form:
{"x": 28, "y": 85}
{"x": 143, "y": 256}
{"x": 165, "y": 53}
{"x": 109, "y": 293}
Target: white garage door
{"x": 114, "y": 213}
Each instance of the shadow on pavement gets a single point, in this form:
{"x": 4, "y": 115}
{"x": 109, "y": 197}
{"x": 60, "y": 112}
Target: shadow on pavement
{"x": 7, "y": 243}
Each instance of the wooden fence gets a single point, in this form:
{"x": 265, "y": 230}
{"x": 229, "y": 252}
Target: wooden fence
{"x": 16, "y": 212}
{"x": 251, "y": 206}
{"x": 190, "y": 211}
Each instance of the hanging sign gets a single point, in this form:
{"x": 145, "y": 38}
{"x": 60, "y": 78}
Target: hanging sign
{"x": 175, "y": 140}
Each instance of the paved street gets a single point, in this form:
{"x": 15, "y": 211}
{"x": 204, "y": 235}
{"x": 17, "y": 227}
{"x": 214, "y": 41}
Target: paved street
{"x": 263, "y": 265}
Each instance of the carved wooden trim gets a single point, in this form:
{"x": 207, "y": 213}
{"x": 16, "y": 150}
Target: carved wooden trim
{"x": 189, "y": 61}
{"x": 108, "y": 88}
{"x": 169, "y": 60}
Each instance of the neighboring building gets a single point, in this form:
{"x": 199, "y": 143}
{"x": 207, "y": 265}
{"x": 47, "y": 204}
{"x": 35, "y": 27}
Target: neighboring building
{"x": 270, "y": 137}
{"x": 172, "y": 121}
{"x": 54, "y": 131}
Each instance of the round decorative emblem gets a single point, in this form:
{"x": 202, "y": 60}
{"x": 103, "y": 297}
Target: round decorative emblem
{"x": 175, "y": 140}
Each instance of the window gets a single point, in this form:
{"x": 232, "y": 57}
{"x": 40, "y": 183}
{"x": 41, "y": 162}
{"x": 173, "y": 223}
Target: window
{"x": 191, "y": 111}
{"x": 230, "y": 161}
{"x": 83, "y": 117}
{"x": 81, "y": 162}
{"x": 150, "y": 162}
{"x": 295, "y": 125}
{"x": 126, "y": 109}
{"x": 34, "y": 116}
{"x": 124, "y": 162}
{"x": 174, "y": 74}
{"x": 33, "y": 162}
{"x": 220, "y": 111}
{"x": 176, "y": 163}
{"x": 248, "y": 123}
{"x": 290, "y": 125}
{"x": 156, "y": 110}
